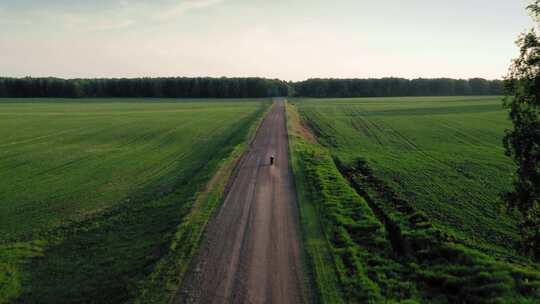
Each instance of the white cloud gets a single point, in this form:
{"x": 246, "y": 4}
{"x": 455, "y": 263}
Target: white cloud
{"x": 279, "y": 38}
{"x": 185, "y": 6}
{"x": 123, "y": 14}
{"x": 7, "y": 19}
{"x": 108, "y": 24}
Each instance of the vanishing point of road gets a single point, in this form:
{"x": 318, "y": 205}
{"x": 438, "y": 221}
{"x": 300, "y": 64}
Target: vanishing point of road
{"x": 252, "y": 250}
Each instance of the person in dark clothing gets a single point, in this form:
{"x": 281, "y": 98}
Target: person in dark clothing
{"x": 271, "y": 160}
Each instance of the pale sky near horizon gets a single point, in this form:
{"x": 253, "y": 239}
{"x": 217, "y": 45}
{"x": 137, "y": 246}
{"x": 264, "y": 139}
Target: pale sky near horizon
{"x": 290, "y": 40}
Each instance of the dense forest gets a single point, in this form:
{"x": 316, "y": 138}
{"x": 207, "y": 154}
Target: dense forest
{"x": 175, "y": 87}
{"x": 172, "y": 87}
{"x": 386, "y": 87}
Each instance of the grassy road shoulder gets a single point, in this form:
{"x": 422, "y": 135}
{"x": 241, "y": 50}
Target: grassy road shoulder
{"x": 321, "y": 269}
{"x": 349, "y": 254}
{"x": 319, "y": 257}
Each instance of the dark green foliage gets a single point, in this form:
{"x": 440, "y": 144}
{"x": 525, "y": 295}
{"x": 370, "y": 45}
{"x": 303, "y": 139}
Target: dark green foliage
{"x": 387, "y": 87}
{"x": 176, "y": 87}
{"x": 182, "y": 87}
{"x": 523, "y": 141}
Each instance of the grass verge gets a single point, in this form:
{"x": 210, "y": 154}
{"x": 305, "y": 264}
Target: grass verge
{"x": 346, "y": 244}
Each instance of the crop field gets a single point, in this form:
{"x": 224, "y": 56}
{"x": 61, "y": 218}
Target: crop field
{"x": 406, "y": 192}
{"x": 444, "y": 155}
{"x": 107, "y": 200}
{"x": 92, "y": 192}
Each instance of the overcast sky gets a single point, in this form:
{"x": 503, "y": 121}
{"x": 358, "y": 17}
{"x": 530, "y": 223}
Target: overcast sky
{"x": 287, "y": 39}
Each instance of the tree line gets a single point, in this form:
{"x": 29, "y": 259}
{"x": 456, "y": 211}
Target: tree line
{"x": 172, "y": 87}
{"x": 178, "y": 87}
{"x": 387, "y": 87}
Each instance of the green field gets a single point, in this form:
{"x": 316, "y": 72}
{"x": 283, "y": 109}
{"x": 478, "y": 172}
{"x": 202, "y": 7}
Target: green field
{"x": 408, "y": 191}
{"x": 107, "y": 199}
{"x": 444, "y": 155}
{"x": 90, "y": 182}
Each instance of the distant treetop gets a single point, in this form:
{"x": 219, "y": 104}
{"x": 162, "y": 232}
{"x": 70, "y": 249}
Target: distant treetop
{"x": 387, "y": 87}
{"x": 183, "y": 87}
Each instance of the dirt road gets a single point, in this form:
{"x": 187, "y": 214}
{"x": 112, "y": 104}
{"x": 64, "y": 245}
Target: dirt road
{"x": 252, "y": 253}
